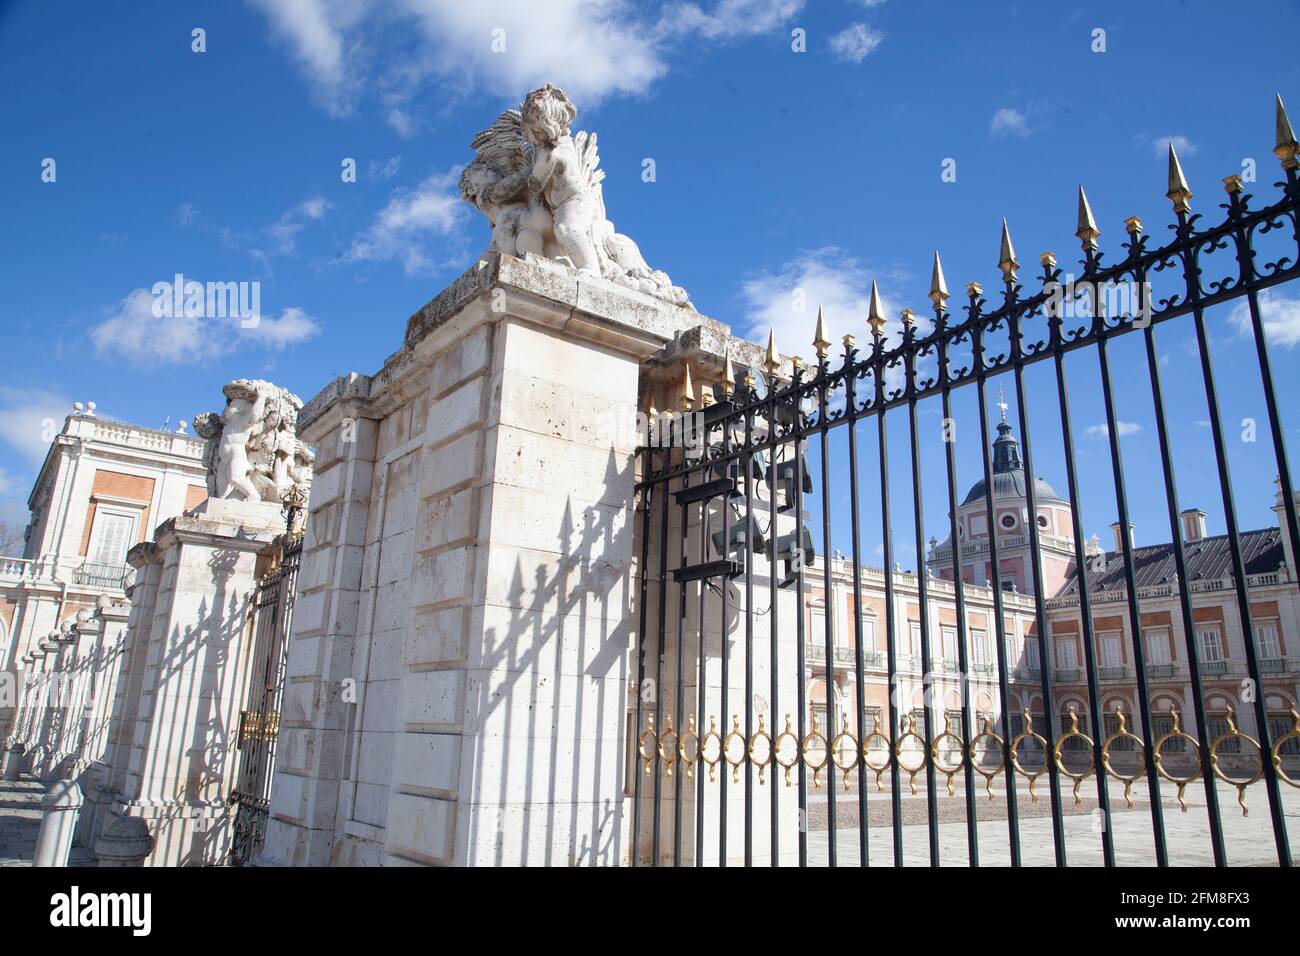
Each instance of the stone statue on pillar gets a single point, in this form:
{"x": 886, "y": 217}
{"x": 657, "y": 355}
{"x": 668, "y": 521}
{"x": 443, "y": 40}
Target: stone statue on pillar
{"x": 253, "y": 452}
{"x": 540, "y": 189}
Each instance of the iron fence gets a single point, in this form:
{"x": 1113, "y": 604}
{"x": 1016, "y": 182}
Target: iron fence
{"x": 723, "y": 531}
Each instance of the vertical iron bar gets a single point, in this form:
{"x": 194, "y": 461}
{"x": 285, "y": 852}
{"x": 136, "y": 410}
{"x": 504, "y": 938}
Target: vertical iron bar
{"x": 830, "y": 609}
{"x": 772, "y": 610}
{"x": 724, "y": 645}
{"x": 923, "y": 601}
{"x": 683, "y": 532}
{"x": 701, "y": 703}
{"x": 796, "y": 550}
{"x": 747, "y": 462}
{"x": 647, "y": 500}
{"x": 666, "y": 460}
{"x": 859, "y": 658}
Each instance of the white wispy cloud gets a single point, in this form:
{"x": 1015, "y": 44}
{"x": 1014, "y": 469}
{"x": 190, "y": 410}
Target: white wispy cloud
{"x": 1008, "y": 121}
{"x": 592, "y": 49}
{"x": 385, "y": 170}
{"x": 30, "y": 418}
{"x": 133, "y": 332}
{"x": 1103, "y": 431}
{"x": 1160, "y": 145}
{"x": 855, "y": 42}
{"x": 285, "y": 229}
{"x": 412, "y": 216}
{"x": 1280, "y": 314}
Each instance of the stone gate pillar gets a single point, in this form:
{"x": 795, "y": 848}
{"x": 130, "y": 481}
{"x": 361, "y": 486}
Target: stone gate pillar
{"x": 458, "y": 672}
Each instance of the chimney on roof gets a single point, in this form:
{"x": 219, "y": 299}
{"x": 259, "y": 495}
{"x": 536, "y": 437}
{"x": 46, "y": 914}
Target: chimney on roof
{"x": 1119, "y": 541}
{"x": 1094, "y": 554}
{"x": 1193, "y": 524}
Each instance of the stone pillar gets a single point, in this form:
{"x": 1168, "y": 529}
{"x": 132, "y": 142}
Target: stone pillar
{"x": 13, "y": 763}
{"x": 181, "y": 764}
{"x": 125, "y": 842}
{"x": 59, "y": 809}
{"x": 459, "y": 667}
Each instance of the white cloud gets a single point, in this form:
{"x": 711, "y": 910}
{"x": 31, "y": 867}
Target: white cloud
{"x": 316, "y": 31}
{"x": 285, "y": 230}
{"x": 1160, "y": 145}
{"x": 385, "y": 170}
{"x": 855, "y": 42}
{"x": 1009, "y": 122}
{"x": 30, "y": 418}
{"x": 1125, "y": 429}
{"x": 134, "y": 333}
{"x": 785, "y": 300}
{"x": 1281, "y": 316}
{"x": 186, "y": 213}
{"x": 433, "y": 208}
{"x": 591, "y": 48}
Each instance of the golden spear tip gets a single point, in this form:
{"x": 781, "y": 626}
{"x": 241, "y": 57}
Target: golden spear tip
{"x": 875, "y": 311}
{"x": 1179, "y": 192}
{"x": 1007, "y": 261}
{"x": 938, "y": 283}
{"x": 728, "y": 376}
{"x": 773, "y": 360}
{"x": 1287, "y": 150}
{"x": 1087, "y": 231}
{"x": 1133, "y": 224}
{"x": 820, "y": 342}
{"x": 687, "y": 393}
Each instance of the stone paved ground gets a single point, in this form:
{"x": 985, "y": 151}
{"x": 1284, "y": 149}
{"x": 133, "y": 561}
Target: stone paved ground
{"x": 20, "y": 821}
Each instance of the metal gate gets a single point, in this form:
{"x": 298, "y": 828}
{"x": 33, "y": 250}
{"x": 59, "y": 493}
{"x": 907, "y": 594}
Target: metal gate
{"x": 259, "y": 723}
{"x": 735, "y": 759}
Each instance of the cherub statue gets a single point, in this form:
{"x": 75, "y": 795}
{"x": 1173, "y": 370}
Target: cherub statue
{"x": 252, "y": 449}
{"x": 561, "y": 175}
{"x": 496, "y": 183}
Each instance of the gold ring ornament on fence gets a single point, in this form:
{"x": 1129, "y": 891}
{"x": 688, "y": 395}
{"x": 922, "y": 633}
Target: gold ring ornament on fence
{"x": 1122, "y": 734}
{"x": 808, "y": 743}
{"x": 837, "y": 747}
{"x": 1074, "y": 731}
{"x": 753, "y": 746}
{"x": 973, "y": 755}
{"x": 738, "y": 738}
{"x": 691, "y": 740}
{"x": 887, "y": 747}
{"x": 1028, "y": 734}
{"x": 706, "y": 744}
{"x": 898, "y": 752}
{"x": 934, "y": 753}
{"x": 1241, "y": 785}
{"x": 668, "y": 752}
{"x": 1277, "y": 748}
{"x": 648, "y": 743}
{"x": 1157, "y": 755}
{"x": 776, "y": 749}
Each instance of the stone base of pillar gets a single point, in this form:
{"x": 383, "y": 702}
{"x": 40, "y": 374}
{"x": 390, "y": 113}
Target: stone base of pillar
{"x": 13, "y": 761}
{"x": 182, "y": 834}
{"x": 124, "y": 842}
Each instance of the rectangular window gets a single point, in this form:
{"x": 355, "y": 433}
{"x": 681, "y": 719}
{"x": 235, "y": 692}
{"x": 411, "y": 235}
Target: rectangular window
{"x": 914, "y": 639}
{"x": 1218, "y": 724}
{"x": 1211, "y": 645}
{"x": 1279, "y": 725}
{"x": 950, "y": 643}
{"x": 114, "y": 535}
{"x": 979, "y": 648}
{"x": 872, "y": 722}
{"x": 1157, "y": 642}
{"x": 818, "y": 632}
{"x": 1031, "y": 652}
{"x": 1066, "y": 656}
{"x": 1162, "y": 724}
{"x": 1111, "y": 723}
{"x": 1111, "y": 655}
{"x": 1266, "y": 637}
{"x": 868, "y": 634}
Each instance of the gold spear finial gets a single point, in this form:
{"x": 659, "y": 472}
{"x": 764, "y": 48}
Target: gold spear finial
{"x": 686, "y": 395}
{"x": 1048, "y": 259}
{"x": 1232, "y": 184}
{"x": 909, "y": 318}
{"x": 1286, "y": 149}
{"x": 1179, "y": 192}
{"x": 875, "y": 311}
{"x": 974, "y": 289}
{"x": 1088, "y": 231}
{"x": 773, "y": 360}
{"x": 820, "y": 342}
{"x": 1133, "y": 225}
{"x": 728, "y": 376}
{"x": 938, "y": 284}
{"x": 1007, "y": 261}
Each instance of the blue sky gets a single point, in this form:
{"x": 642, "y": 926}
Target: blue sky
{"x": 774, "y": 169}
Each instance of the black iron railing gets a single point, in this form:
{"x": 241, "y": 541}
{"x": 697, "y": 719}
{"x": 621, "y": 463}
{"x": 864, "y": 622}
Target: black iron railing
{"x": 703, "y": 594}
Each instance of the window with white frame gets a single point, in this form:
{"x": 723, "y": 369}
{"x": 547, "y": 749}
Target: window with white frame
{"x": 1211, "y": 645}
{"x": 979, "y": 641}
{"x": 818, "y": 630}
{"x": 1111, "y": 653}
{"x": 1031, "y": 652}
{"x": 112, "y": 535}
{"x": 950, "y": 643}
{"x": 1066, "y": 654}
{"x": 914, "y": 639}
{"x": 1158, "y": 649}
{"x": 1266, "y": 640}
{"x": 868, "y": 633}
